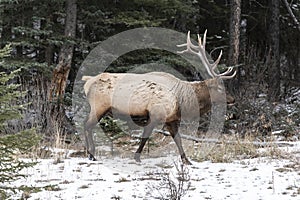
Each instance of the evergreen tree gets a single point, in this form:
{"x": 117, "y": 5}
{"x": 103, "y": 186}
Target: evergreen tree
{"x": 18, "y": 143}
{"x": 7, "y": 94}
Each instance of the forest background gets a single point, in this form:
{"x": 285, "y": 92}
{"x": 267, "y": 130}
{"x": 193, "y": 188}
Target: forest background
{"x": 49, "y": 39}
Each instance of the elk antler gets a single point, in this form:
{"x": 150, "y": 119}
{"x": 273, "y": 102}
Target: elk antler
{"x": 201, "y": 53}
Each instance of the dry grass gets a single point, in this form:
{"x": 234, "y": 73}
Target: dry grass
{"x": 234, "y": 148}
{"x": 227, "y": 149}
{"x": 224, "y": 152}
{"x": 55, "y": 147}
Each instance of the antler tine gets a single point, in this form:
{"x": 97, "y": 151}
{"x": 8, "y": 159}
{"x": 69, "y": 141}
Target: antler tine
{"x": 215, "y": 64}
{"x": 199, "y": 40}
{"x": 227, "y": 71}
{"x": 190, "y": 46}
{"x": 222, "y": 75}
{"x": 204, "y": 38}
{"x": 228, "y": 77}
{"x": 189, "y": 42}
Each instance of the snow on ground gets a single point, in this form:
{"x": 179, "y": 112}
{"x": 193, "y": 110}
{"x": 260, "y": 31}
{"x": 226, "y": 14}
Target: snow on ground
{"x": 123, "y": 178}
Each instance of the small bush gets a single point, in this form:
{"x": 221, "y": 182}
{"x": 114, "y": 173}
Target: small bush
{"x": 171, "y": 186}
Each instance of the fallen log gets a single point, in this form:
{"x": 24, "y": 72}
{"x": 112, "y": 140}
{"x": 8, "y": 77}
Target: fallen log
{"x": 220, "y": 141}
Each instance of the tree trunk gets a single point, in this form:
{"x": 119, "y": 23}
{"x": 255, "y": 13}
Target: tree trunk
{"x": 234, "y": 32}
{"x": 58, "y": 120}
{"x": 61, "y": 72}
{"x": 274, "y": 55}
{"x": 297, "y": 66}
{"x": 235, "y": 18}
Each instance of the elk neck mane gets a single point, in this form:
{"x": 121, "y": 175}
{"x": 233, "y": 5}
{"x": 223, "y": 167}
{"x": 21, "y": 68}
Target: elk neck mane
{"x": 192, "y": 95}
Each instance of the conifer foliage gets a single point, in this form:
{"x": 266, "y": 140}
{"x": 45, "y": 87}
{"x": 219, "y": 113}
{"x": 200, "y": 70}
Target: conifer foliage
{"x": 13, "y": 144}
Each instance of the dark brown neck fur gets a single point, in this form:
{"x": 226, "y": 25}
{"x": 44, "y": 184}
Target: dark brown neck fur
{"x": 203, "y": 96}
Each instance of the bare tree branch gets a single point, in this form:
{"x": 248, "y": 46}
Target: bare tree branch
{"x": 291, "y": 14}
{"x": 218, "y": 141}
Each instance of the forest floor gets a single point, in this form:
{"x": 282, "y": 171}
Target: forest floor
{"x": 120, "y": 177}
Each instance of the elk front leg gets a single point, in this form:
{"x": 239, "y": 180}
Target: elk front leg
{"x": 173, "y": 129}
{"x": 146, "y": 134}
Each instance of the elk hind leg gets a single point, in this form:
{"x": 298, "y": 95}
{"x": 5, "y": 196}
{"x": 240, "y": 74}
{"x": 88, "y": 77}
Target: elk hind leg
{"x": 91, "y": 121}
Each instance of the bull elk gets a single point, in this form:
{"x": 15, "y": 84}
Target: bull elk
{"x": 157, "y": 97}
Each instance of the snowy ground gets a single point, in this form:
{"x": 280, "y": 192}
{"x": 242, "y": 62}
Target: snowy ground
{"x": 122, "y": 178}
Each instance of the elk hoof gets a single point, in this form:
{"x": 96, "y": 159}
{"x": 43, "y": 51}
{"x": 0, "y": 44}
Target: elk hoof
{"x": 91, "y": 157}
{"x": 185, "y": 161}
{"x": 137, "y": 157}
